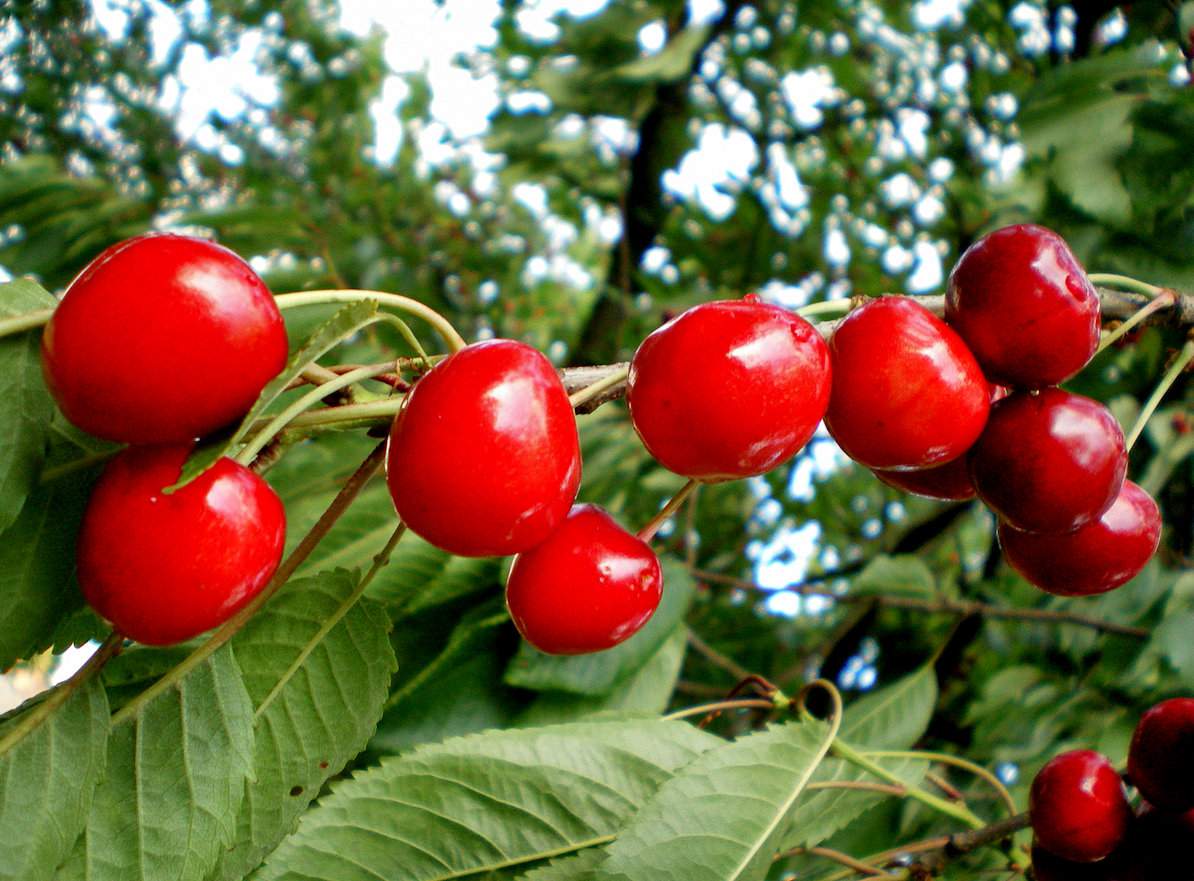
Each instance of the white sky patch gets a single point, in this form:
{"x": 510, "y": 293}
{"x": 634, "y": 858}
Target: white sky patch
{"x": 723, "y": 158}
{"x": 929, "y": 272}
{"x": 806, "y": 92}
{"x": 785, "y": 557}
{"x": 652, "y": 37}
{"x": 932, "y": 14}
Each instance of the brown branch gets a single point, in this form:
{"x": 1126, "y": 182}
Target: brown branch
{"x": 717, "y": 659}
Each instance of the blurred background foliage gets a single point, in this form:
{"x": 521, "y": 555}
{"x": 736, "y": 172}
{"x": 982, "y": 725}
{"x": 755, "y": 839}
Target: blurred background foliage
{"x": 573, "y": 173}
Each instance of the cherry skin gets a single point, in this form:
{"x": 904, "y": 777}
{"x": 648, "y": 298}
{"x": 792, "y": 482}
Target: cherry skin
{"x": 907, "y": 393}
{"x": 1161, "y": 757}
{"x": 1094, "y": 558}
{"x": 1049, "y": 461}
{"x": 1024, "y": 305}
{"x": 589, "y": 586}
{"x": 163, "y": 568}
{"x": 729, "y": 389}
{"x": 1078, "y": 807}
{"x": 949, "y": 482}
{"x": 484, "y": 459}
{"x": 161, "y": 339}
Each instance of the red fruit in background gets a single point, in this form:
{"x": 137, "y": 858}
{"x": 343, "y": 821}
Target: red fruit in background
{"x": 1078, "y": 807}
{"x": 484, "y": 459}
{"x": 162, "y": 338}
{"x": 949, "y": 482}
{"x": 589, "y": 586}
{"x": 1161, "y": 757}
{"x": 163, "y": 568}
{"x": 907, "y": 393}
{"x": 1024, "y": 305}
{"x": 729, "y": 389}
{"x": 1094, "y": 558}
{"x": 1049, "y": 461}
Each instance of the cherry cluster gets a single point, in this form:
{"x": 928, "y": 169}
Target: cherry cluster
{"x": 1084, "y": 826}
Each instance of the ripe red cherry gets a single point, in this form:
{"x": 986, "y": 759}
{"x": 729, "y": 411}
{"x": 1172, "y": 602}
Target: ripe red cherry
{"x": 1078, "y": 807}
{"x": 589, "y": 586}
{"x": 949, "y": 482}
{"x": 163, "y": 568}
{"x": 1025, "y": 307}
{"x": 1049, "y": 461}
{"x": 162, "y": 338}
{"x": 728, "y": 389}
{"x": 907, "y": 393}
{"x": 1161, "y": 757}
{"x": 484, "y": 459}
{"x": 1094, "y": 558}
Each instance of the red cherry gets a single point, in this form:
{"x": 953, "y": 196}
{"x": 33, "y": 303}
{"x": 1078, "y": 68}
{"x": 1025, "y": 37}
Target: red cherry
{"x": 949, "y": 482}
{"x": 729, "y": 389}
{"x": 1049, "y": 461}
{"x": 484, "y": 459}
{"x": 163, "y": 568}
{"x": 589, "y": 586}
{"x": 162, "y": 338}
{"x": 907, "y": 393}
{"x": 1078, "y": 807}
{"x": 1025, "y": 307}
{"x": 1095, "y": 558}
{"x": 1161, "y": 757}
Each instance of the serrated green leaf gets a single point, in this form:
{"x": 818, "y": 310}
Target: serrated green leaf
{"x": 317, "y": 663}
{"x": 485, "y": 802}
{"x": 722, "y": 817}
{"x": 344, "y": 323}
{"x": 575, "y": 867}
{"x": 175, "y": 780}
{"x": 47, "y": 780}
{"x": 25, "y": 404}
{"x": 894, "y": 717}
{"x": 600, "y": 673}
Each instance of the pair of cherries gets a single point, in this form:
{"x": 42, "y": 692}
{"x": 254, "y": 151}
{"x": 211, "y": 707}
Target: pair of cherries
{"x": 969, "y": 406}
{"x": 1085, "y": 828}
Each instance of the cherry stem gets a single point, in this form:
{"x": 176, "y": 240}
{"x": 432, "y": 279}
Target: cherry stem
{"x": 1125, "y": 282}
{"x": 56, "y": 698}
{"x": 957, "y": 762}
{"x": 826, "y": 307}
{"x": 404, "y": 304}
{"x": 859, "y": 867}
{"x": 27, "y": 321}
{"x": 673, "y": 505}
{"x": 745, "y": 703}
{"x": 1167, "y": 381}
{"x": 1163, "y": 300}
{"x": 348, "y": 493}
{"x": 589, "y": 392}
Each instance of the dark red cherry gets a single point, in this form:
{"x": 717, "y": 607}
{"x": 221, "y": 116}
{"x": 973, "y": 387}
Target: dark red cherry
{"x": 729, "y": 389}
{"x": 1025, "y": 307}
{"x": 484, "y": 459}
{"x": 1078, "y": 807}
{"x": 163, "y": 568}
{"x": 907, "y": 393}
{"x": 162, "y": 338}
{"x": 1094, "y": 558}
{"x": 1049, "y": 461}
{"x": 949, "y": 482}
{"x": 1161, "y": 757}
{"x": 589, "y": 586}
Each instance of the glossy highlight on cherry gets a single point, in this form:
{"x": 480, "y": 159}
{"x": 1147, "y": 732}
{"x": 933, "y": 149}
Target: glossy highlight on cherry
{"x": 1078, "y": 806}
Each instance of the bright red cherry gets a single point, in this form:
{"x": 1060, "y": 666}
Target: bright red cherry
{"x": 1161, "y": 757}
{"x": 1094, "y": 558}
{"x": 484, "y": 459}
{"x": 162, "y": 338}
{"x": 589, "y": 586}
{"x": 163, "y": 568}
{"x": 1025, "y": 307}
{"x": 729, "y": 389}
{"x": 1078, "y": 807}
{"x": 1049, "y": 461}
{"x": 907, "y": 393}
{"x": 949, "y": 482}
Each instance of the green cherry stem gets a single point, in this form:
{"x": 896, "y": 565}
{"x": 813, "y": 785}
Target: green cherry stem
{"x": 673, "y": 505}
{"x": 1124, "y": 282}
{"x": 396, "y": 301}
{"x": 589, "y": 392}
{"x": 826, "y": 307}
{"x": 1150, "y": 406}
{"x": 56, "y": 698}
{"x": 955, "y": 761}
{"x": 1163, "y": 300}
{"x": 28, "y": 321}
{"x": 744, "y": 703}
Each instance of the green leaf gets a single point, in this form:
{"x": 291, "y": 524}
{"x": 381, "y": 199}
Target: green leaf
{"x": 176, "y": 776}
{"x": 25, "y": 405}
{"x": 485, "y": 802}
{"x": 600, "y": 673}
{"x": 575, "y": 867}
{"x": 894, "y": 717}
{"x": 670, "y": 64}
{"x": 723, "y": 816}
{"x": 37, "y": 563}
{"x": 902, "y": 575}
{"x": 317, "y": 663}
{"x": 47, "y": 780}
{"x": 344, "y": 323}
